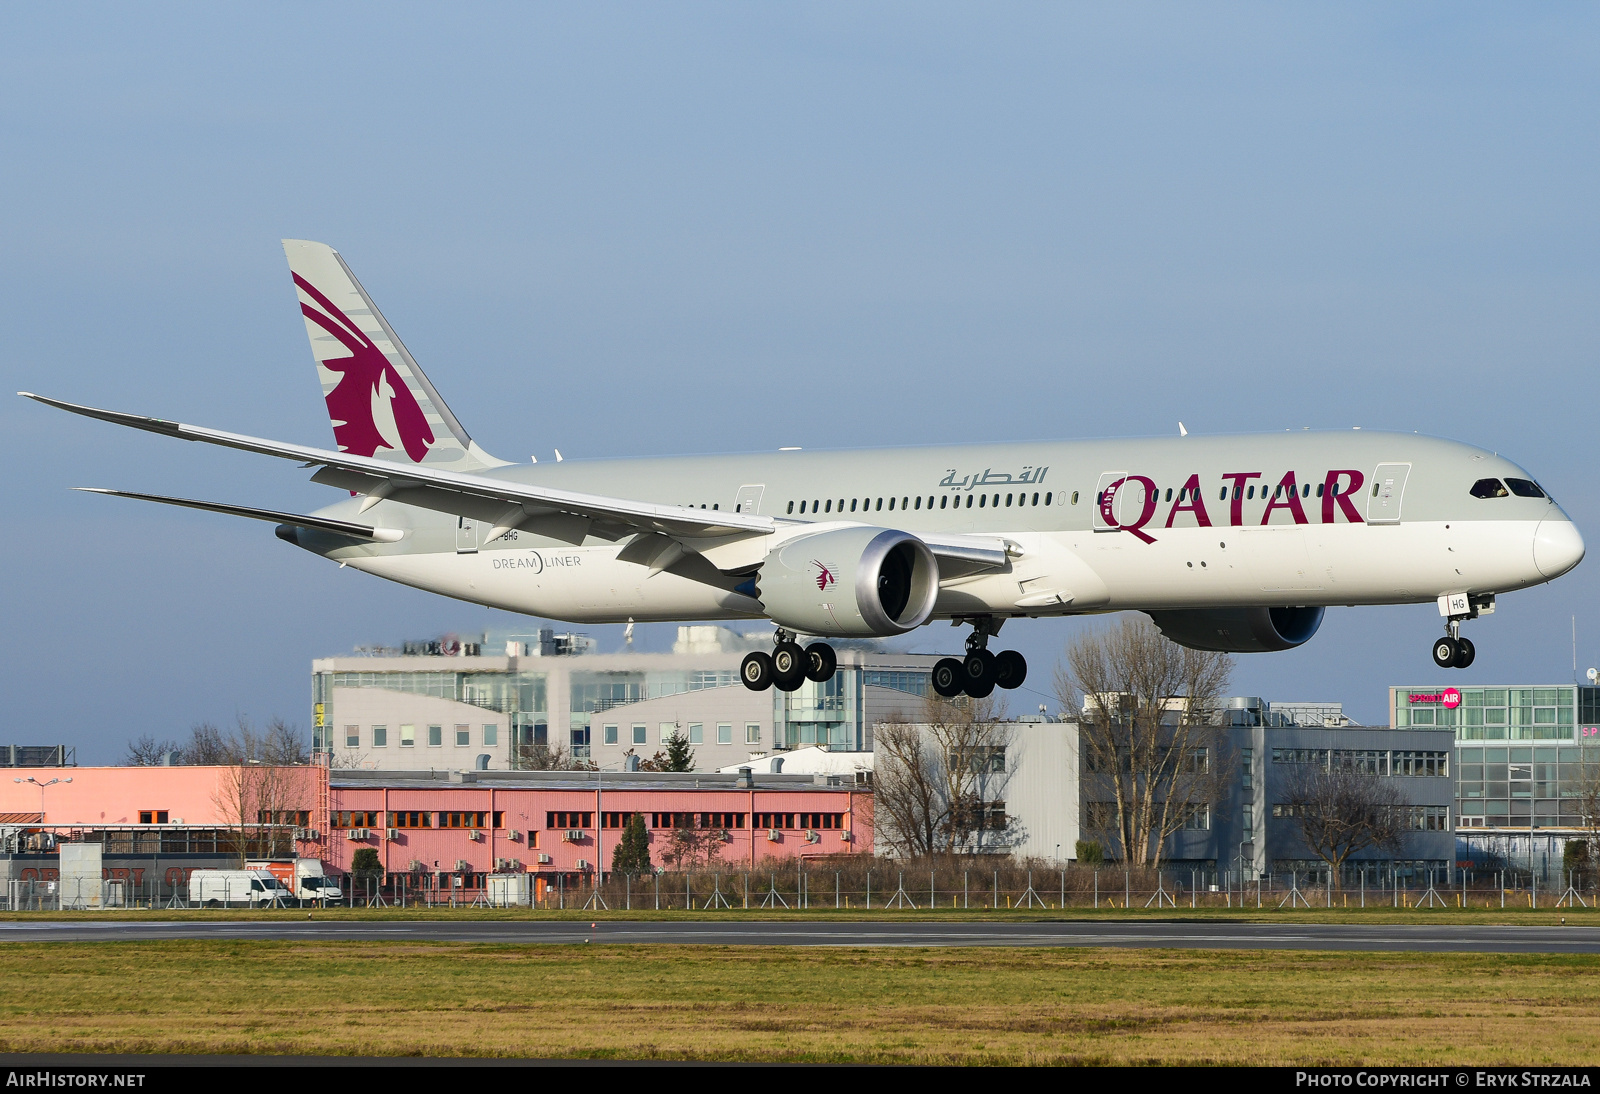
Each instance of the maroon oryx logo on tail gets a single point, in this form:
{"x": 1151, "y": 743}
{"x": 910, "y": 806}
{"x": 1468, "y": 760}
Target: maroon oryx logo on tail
{"x": 371, "y": 406}
{"x": 824, "y": 576}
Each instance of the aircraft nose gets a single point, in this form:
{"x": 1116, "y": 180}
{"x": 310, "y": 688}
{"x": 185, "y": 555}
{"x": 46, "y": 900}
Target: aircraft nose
{"x": 1557, "y": 547}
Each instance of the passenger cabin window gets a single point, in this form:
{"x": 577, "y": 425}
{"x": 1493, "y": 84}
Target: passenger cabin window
{"x": 1489, "y": 488}
{"x": 1524, "y": 488}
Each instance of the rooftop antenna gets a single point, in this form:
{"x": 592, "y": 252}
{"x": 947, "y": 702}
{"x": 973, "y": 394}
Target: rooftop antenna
{"x": 627, "y": 633}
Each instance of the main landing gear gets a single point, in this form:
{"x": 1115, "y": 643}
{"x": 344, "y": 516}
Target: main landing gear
{"x": 788, "y": 666}
{"x": 980, "y": 672}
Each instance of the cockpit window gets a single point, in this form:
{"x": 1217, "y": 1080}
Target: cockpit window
{"x": 1491, "y": 488}
{"x": 1525, "y": 488}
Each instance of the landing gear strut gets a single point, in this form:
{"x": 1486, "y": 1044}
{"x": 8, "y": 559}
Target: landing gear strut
{"x": 788, "y": 666}
{"x": 1452, "y": 651}
{"x": 980, "y": 672}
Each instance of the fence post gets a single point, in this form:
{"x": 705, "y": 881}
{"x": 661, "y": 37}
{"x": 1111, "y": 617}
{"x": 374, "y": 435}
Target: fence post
{"x": 1063, "y": 888}
{"x": 1127, "y": 887}
{"x": 965, "y": 903}
{"x": 931, "y": 901}
{"x": 836, "y": 890}
{"x": 1097, "y": 887}
{"x": 869, "y": 887}
{"x": 997, "y": 889}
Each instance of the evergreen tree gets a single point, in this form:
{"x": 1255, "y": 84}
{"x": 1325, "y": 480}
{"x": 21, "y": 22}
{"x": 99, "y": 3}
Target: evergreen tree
{"x": 680, "y": 757}
{"x": 632, "y": 855}
{"x": 366, "y": 863}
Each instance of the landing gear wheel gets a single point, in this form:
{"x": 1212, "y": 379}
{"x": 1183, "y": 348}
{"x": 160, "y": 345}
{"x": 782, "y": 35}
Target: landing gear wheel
{"x": 789, "y": 663}
{"x": 1445, "y": 652}
{"x": 980, "y": 673}
{"x": 1465, "y": 653}
{"x": 1010, "y": 669}
{"x": 756, "y": 671}
{"x": 949, "y": 677}
{"x": 820, "y": 662}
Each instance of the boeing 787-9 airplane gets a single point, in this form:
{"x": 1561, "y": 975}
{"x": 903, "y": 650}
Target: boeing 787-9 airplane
{"x": 1233, "y": 543}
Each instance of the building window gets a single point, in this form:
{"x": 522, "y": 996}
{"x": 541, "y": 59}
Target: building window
{"x": 608, "y": 735}
{"x": 616, "y": 820}
{"x": 380, "y": 736}
{"x": 697, "y": 733}
{"x": 724, "y": 733}
{"x": 352, "y": 736}
{"x": 462, "y": 820}
{"x": 829, "y": 821}
{"x": 641, "y": 733}
{"x": 435, "y": 736}
{"x": 668, "y": 731}
{"x": 152, "y": 816}
{"x": 579, "y": 736}
{"x": 357, "y": 819}
{"x": 773, "y": 820}
{"x": 569, "y": 820}
{"x": 752, "y": 733}
{"x": 491, "y": 735}
{"x": 408, "y": 736}
{"x": 411, "y": 820}
{"x": 463, "y": 736}
{"x": 1197, "y": 818}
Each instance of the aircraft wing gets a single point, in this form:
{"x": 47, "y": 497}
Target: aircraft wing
{"x": 566, "y": 515}
{"x": 299, "y": 520}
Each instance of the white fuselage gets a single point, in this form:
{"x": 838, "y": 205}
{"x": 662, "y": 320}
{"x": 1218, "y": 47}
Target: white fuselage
{"x": 1095, "y": 526}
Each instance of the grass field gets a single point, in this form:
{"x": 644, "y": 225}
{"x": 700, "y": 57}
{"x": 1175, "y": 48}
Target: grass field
{"x": 902, "y": 1006}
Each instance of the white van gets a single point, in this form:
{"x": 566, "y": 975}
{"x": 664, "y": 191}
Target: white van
{"x": 304, "y": 876}
{"x": 221, "y": 888}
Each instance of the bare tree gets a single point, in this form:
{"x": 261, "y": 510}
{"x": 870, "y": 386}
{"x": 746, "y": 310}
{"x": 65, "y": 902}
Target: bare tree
{"x": 263, "y": 791}
{"x": 1149, "y": 747}
{"x": 689, "y": 847}
{"x": 146, "y": 751}
{"x": 939, "y": 784}
{"x": 1340, "y": 811}
{"x": 540, "y": 756}
{"x": 207, "y": 747}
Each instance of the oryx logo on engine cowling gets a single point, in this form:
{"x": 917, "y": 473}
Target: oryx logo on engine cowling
{"x": 824, "y": 576}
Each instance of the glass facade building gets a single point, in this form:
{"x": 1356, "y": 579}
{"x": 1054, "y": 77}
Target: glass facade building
{"x": 1520, "y": 751}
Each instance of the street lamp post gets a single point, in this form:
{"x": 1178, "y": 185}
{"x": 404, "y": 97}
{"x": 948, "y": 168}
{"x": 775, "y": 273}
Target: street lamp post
{"x": 41, "y": 786}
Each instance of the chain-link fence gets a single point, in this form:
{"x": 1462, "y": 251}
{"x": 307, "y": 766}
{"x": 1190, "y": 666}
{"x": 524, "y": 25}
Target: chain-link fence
{"x": 859, "y": 884}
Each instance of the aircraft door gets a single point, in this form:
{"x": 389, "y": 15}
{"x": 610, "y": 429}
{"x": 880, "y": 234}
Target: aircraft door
{"x": 748, "y": 499}
{"x": 1125, "y": 505}
{"x": 466, "y": 536}
{"x": 1388, "y": 489}
{"x": 1100, "y": 511}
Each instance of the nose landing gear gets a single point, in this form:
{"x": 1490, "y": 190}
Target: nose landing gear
{"x": 788, "y": 666}
{"x": 1452, "y": 651}
{"x": 980, "y": 672}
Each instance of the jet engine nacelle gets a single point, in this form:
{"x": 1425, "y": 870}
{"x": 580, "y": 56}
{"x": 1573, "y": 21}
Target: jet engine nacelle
{"x": 1239, "y": 630}
{"x": 855, "y": 582}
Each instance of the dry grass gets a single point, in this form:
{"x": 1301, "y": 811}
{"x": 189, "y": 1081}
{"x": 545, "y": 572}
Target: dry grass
{"x": 903, "y": 1006}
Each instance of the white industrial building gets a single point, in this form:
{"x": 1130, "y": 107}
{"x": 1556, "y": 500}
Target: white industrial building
{"x": 496, "y": 701}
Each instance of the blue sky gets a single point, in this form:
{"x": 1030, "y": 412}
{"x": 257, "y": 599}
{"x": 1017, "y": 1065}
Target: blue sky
{"x": 630, "y": 229}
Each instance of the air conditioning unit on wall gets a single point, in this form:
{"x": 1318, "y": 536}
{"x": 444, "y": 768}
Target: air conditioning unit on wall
{"x": 573, "y": 835}
{"x": 514, "y": 836}
{"x": 475, "y": 835}
{"x": 844, "y": 836}
{"x": 812, "y": 836}
{"x": 544, "y": 859}
{"x": 394, "y": 833}
{"x": 357, "y": 834}
{"x": 773, "y": 835}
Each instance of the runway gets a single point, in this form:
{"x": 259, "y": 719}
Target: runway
{"x": 1170, "y": 934}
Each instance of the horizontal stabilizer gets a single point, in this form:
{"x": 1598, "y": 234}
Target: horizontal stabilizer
{"x": 338, "y": 527}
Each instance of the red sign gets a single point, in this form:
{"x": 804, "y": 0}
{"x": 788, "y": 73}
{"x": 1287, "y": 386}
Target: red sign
{"x": 1449, "y": 697}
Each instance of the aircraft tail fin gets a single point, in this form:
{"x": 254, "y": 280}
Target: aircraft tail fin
{"x": 379, "y": 400}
